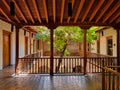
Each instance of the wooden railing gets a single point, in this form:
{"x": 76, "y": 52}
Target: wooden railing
{"x": 111, "y": 78}
{"x": 95, "y": 64}
{"x": 69, "y": 65}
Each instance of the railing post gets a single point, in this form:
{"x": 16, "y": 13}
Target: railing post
{"x": 103, "y": 76}
{"x": 85, "y": 53}
{"x": 51, "y": 49}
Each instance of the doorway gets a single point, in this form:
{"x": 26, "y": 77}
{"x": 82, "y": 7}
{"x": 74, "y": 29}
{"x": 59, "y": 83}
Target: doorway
{"x": 6, "y": 48}
{"x": 26, "y": 45}
{"x": 109, "y": 45}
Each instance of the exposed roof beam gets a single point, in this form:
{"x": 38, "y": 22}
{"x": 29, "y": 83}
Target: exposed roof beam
{"x": 45, "y": 9}
{"x": 62, "y": 10}
{"x": 54, "y": 11}
{"x": 79, "y": 10}
{"x": 5, "y": 14}
{"x": 116, "y": 6}
{"x": 96, "y": 9}
{"x": 18, "y": 9}
{"x": 8, "y": 8}
{"x": 36, "y": 10}
{"x": 68, "y": 20}
{"x": 29, "y": 13}
{"x": 88, "y": 9}
{"x": 117, "y": 14}
{"x": 109, "y": 2}
{"x": 118, "y": 20}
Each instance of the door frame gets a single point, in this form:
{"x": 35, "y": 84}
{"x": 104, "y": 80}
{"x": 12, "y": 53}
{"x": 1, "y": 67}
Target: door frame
{"x": 107, "y": 38}
{"x": 9, "y": 34}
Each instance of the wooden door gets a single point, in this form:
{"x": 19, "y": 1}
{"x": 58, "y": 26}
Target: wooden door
{"x": 26, "y": 45}
{"x": 6, "y": 48}
{"x": 109, "y": 45}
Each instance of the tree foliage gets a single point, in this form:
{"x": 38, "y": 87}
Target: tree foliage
{"x": 64, "y": 35}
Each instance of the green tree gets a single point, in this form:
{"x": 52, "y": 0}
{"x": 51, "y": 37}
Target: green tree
{"x": 64, "y": 35}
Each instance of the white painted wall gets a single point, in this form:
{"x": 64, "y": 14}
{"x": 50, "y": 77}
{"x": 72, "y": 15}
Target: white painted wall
{"x": 103, "y": 42}
{"x": 7, "y": 27}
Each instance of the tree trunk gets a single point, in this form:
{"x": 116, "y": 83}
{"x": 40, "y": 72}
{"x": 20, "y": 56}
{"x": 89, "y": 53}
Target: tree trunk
{"x": 60, "y": 59}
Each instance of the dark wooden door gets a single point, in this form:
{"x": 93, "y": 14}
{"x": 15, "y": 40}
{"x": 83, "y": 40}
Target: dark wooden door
{"x": 6, "y": 48}
{"x": 26, "y": 45}
{"x": 109, "y": 46}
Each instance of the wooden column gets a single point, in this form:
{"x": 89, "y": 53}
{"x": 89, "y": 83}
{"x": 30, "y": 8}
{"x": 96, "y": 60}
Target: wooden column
{"x": 17, "y": 49}
{"x": 118, "y": 48}
{"x": 30, "y": 35}
{"x": 51, "y": 50}
{"x": 85, "y": 53}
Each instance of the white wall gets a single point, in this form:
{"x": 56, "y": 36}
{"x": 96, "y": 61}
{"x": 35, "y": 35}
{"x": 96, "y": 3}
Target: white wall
{"x": 7, "y": 27}
{"x": 103, "y": 42}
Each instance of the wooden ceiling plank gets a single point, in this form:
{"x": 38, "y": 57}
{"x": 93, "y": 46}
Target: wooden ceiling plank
{"x": 96, "y": 9}
{"x": 29, "y": 13}
{"x": 73, "y": 2}
{"x": 111, "y": 11}
{"x": 18, "y": 9}
{"x": 117, "y": 14}
{"x": 104, "y": 10}
{"x": 118, "y": 20}
{"x": 36, "y": 10}
{"x": 45, "y": 9}
{"x": 5, "y": 14}
{"x": 79, "y": 10}
{"x": 88, "y": 9}
{"x": 8, "y": 8}
{"x": 54, "y": 11}
{"x": 62, "y": 10}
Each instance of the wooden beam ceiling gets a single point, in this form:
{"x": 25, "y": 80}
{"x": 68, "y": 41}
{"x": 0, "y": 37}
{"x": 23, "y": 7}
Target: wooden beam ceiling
{"x": 62, "y": 10}
{"x": 85, "y": 13}
{"x": 117, "y": 14}
{"x": 5, "y": 14}
{"x": 36, "y": 10}
{"x": 73, "y": 2}
{"x": 45, "y": 10}
{"x": 54, "y": 11}
{"x": 104, "y": 10}
{"x": 79, "y": 10}
{"x": 88, "y": 9}
{"x": 116, "y": 6}
{"x": 20, "y": 12}
{"x": 28, "y": 11}
{"x": 7, "y": 6}
{"x": 96, "y": 9}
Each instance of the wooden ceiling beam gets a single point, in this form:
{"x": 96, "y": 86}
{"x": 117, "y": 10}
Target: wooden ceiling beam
{"x": 88, "y": 9}
{"x": 79, "y": 10}
{"x": 116, "y": 6}
{"x": 117, "y": 14}
{"x": 118, "y": 20}
{"x": 62, "y": 10}
{"x": 18, "y": 9}
{"x": 8, "y": 8}
{"x": 54, "y": 11}
{"x": 36, "y": 10}
{"x": 45, "y": 9}
{"x": 73, "y": 2}
{"x": 104, "y": 10}
{"x": 96, "y": 9}
{"x": 5, "y": 14}
{"x": 28, "y": 10}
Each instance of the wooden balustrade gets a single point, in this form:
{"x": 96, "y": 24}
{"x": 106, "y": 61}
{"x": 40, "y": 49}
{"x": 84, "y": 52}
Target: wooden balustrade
{"x": 69, "y": 65}
{"x": 95, "y": 64}
{"x": 110, "y": 78}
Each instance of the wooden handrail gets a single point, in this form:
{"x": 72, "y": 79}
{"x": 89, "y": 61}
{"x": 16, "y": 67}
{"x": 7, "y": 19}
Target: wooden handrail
{"x": 112, "y": 71}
